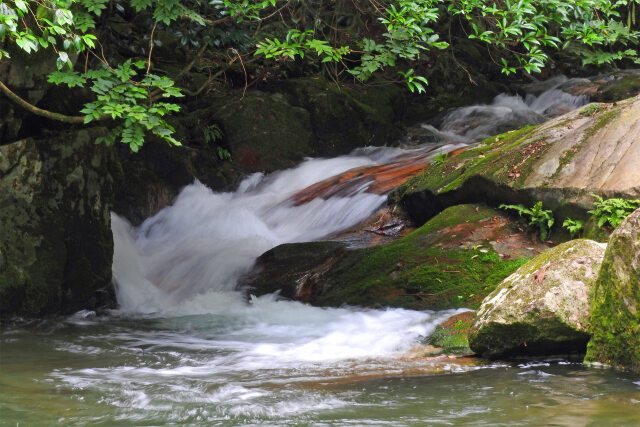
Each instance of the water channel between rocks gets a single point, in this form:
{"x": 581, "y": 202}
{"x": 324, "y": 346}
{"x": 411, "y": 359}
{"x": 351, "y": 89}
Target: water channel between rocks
{"x": 185, "y": 347}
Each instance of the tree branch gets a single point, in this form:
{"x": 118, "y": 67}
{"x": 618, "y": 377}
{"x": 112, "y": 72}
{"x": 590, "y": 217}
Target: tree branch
{"x": 156, "y": 94}
{"x": 39, "y": 111}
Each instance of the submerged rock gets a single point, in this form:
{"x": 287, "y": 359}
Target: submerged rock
{"x": 615, "y": 322}
{"x": 452, "y": 261}
{"x": 452, "y": 336}
{"x": 542, "y": 308}
{"x": 293, "y": 270}
{"x": 55, "y": 236}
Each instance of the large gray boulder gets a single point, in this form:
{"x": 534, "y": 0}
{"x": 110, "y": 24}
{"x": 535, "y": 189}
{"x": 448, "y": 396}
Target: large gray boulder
{"x": 56, "y": 245}
{"x": 594, "y": 149}
{"x": 616, "y": 302}
{"x": 542, "y": 308}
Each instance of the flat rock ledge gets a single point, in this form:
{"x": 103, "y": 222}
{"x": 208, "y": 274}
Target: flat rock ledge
{"x": 542, "y": 308}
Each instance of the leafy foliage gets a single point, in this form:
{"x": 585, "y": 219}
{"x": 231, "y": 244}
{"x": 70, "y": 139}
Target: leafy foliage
{"x": 127, "y": 93}
{"x": 574, "y": 226}
{"x": 541, "y": 219}
{"x": 592, "y": 109}
{"x": 394, "y": 39}
{"x": 213, "y": 133}
{"x": 520, "y": 32}
{"x": 440, "y": 158}
{"x": 612, "y": 211}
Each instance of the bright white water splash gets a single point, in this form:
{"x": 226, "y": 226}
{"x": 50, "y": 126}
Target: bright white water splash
{"x": 206, "y": 240}
{"x": 219, "y": 354}
{"x": 506, "y": 112}
{"x": 199, "y": 246}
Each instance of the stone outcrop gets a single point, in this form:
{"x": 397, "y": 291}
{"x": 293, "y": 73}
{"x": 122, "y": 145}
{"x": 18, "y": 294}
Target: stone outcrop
{"x": 55, "y": 236}
{"x": 590, "y": 150}
{"x": 264, "y": 131}
{"x": 542, "y": 308}
{"x": 453, "y": 260}
{"x": 277, "y": 127}
{"x": 615, "y": 322}
{"x": 26, "y": 75}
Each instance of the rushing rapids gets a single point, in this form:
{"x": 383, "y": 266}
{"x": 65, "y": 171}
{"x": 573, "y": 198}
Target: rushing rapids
{"x": 185, "y": 347}
{"x": 206, "y": 240}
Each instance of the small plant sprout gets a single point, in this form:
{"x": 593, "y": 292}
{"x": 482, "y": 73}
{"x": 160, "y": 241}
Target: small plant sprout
{"x": 440, "y": 158}
{"x": 573, "y": 225}
{"x": 541, "y": 219}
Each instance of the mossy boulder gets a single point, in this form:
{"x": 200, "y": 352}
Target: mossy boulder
{"x": 452, "y": 335}
{"x": 542, "y": 308}
{"x": 55, "y": 238}
{"x": 282, "y": 123}
{"x": 615, "y": 318}
{"x": 617, "y": 86}
{"x": 560, "y": 162}
{"x": 452, "y": 261}
{"x": 346, "y": 117}
{"x": 264, "y": 132}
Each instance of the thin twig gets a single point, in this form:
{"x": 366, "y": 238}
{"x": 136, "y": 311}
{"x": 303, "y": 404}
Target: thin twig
{"x": 244, "y": 91}
{"x": 153, "y": 30}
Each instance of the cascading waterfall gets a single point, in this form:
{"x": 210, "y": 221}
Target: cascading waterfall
{"x": 504, "y": 113}
{"x": 206, "y": 240}
{"x": 186, "y": 348}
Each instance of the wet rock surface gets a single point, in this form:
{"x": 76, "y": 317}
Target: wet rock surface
{"x": 277, "y": 127}
{"x": 55, "y": 237}
{"x": 593, "y": 149}
{"x": 615, "y": 322}
{"x": 542, "y": 308}
{"x": 454, "y": 260}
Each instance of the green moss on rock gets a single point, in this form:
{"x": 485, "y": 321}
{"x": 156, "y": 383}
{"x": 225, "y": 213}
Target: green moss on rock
{"x": 542, "y": 308}
{"x": 615, "y": 321}
{"x": 55, "y": 234}
{"x": 493, "y": 157}
{"x": 421, "y": 270}
{"x": 452, "y": 336}
{"x": 560, "y": 162}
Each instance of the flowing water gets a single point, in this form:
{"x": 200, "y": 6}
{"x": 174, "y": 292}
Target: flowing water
{"x": 186, "y": 347}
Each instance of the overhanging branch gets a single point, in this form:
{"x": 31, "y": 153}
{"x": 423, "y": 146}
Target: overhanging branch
{"x": 39, "y": 111}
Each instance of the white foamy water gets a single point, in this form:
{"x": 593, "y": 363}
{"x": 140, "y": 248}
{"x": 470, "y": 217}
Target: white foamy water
{"x": 206, "y": 240}
{"x": 506, "y": 112}
{"x": 210, "y": 346}
{"x": 260, "y": 360}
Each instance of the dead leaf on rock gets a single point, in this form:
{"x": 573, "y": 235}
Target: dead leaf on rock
{"x": 538, "y": 276}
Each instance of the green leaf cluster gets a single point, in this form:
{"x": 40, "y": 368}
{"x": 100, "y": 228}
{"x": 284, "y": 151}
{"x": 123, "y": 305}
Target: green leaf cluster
{"x": 130, "y": 101}
{"x": 540, "y": 218}
{"x": 395, "y": 39}
{"x": 611, "y": 212}
{"x": 574, "y": 226}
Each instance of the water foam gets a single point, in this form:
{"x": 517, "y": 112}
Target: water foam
{"x": 206, "y": 240}
{"x": 506, "y": 112}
